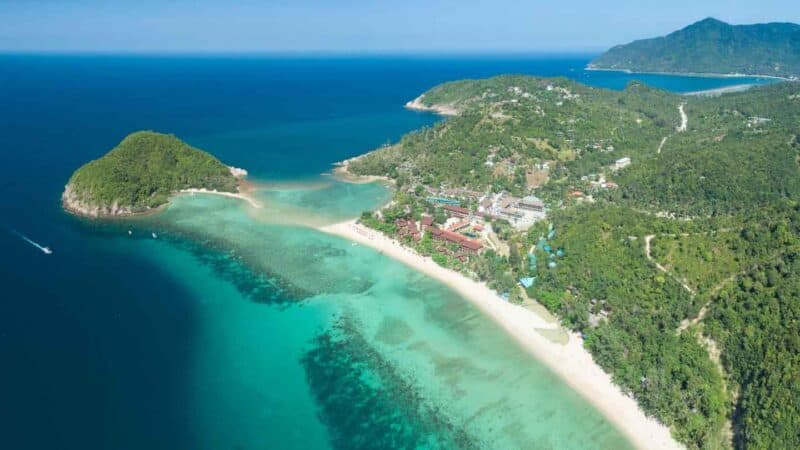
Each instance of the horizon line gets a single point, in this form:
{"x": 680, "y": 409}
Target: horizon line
{"x": 302, "y": 53}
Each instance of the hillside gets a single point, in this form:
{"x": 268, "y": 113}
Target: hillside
{"x": 677, "y": 244}
{"x": 712, "y": 46}
{"x": 140, "y": 174}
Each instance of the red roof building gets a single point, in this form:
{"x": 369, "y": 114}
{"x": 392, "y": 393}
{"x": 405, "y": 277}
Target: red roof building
{"x": 466, "y": 244}
{"x": 460, "y": 225}
{"x": 456, "y": 211}
{"x": 471, "y": 246}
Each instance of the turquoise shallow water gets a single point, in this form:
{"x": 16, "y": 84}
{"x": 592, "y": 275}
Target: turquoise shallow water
{"x": 241, "y": 329}
{"x": 390, "y": 357}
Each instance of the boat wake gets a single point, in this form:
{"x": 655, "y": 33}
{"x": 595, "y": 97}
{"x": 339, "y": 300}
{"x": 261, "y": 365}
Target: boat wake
{"x": 44, "y": 249}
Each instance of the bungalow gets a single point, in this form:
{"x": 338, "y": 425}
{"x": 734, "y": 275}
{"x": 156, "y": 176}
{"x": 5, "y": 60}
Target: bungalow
{"x": 407, "y": 228}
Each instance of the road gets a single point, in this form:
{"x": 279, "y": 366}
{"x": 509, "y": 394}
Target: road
{"x": 680, "y": 128}
{"x": 684, "y": 119}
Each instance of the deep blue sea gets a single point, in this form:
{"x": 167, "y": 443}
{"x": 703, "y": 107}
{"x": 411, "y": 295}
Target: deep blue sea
{"x": 130, "y": 343}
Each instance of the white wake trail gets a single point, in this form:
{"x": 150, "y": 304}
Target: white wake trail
{"x": 44, "y": 249}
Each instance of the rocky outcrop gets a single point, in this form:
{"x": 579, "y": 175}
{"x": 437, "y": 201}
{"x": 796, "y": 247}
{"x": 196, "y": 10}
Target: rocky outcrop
{"x": 73, "y": 203}
{"x": 445, "y": 110}
{"x": 237, "y": 172}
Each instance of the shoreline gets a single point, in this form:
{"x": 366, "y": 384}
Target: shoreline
{"x": 571, "y": 362}
{"x": 721, "y": 90}
{"x": 72, "y": 206}
{"x": 442, "y": 110}
{"x": 240, "y": 195}
{"x": 691, "y": 74}
{"x": 342, "y": 173}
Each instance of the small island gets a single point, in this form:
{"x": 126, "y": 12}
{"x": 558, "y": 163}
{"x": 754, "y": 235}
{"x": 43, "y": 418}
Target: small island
{"x": 141, "y": 173}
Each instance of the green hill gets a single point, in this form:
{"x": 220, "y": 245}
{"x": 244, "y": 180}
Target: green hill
{"x": 141, "y": 173}
{"x": 680, "y": 268}
{"x": 713, "y": 46}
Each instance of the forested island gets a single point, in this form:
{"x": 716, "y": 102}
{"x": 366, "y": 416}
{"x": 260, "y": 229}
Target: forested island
{"x": 664, "y": 228}
{"x": 141, "y": 173}
{"x": 712, "y": 46}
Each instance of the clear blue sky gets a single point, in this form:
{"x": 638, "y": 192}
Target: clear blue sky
{"x": 359, "y": 25}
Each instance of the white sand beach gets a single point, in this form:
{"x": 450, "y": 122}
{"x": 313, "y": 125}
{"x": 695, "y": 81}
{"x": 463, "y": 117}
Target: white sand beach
{"x": 342, "y": 173}
{"x": 240, "y": 195}
{"x": 571, "y": 362}
{"x": 722, "y": 90}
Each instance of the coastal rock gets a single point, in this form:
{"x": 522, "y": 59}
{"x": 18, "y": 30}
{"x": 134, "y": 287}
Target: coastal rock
{"x": 237, "y": 172}
{"x": 73, "y": 203}
{"x": 444, "y": 110}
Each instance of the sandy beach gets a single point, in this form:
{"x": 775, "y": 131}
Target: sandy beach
{"x": 241, "y": 195}
{"x": 341, "y": 173}
{"x": 691, "y": 74}
{"x": 722, "y": 90}
{"x": 571, "y": 362}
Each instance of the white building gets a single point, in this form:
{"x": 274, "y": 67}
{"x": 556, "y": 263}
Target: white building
{"x": 622, "y": 163}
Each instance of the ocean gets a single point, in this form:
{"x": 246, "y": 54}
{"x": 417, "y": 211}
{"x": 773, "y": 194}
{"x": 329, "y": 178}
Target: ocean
{"x": 243, "y": 330}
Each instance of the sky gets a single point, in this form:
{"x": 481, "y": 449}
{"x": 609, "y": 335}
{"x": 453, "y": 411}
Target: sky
{"x": 359, "y": 25}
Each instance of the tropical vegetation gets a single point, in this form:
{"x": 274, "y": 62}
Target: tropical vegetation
{"x": 143, "y": 171}
{"x": 682, "y": 274}
{"x": 713, "y": 46}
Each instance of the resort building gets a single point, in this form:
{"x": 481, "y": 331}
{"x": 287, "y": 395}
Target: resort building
{"x": 408, "y": 228}
{"x": 464, "y": 242}
{"x": 456, "y": 211}
{"x": 459, "y": 226}
{"x": 510, "y": 214}
{"x": 471, "y": 246}
{"x": 531, "y": 203}
{"x": 521, "y": 213}
{"x": 622, "y": 163}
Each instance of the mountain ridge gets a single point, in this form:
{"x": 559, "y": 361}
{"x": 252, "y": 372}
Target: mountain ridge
{"x": 711, "y": 46}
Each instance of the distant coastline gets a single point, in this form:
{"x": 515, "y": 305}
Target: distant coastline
{"x": 590, "y": 67}
{"x": 722, "y": 90}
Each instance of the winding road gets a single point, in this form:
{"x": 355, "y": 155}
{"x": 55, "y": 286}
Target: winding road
{"x": 684, "y": 119}
{"x": 647, "y": 240}
{"x": 679, "y": 129}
